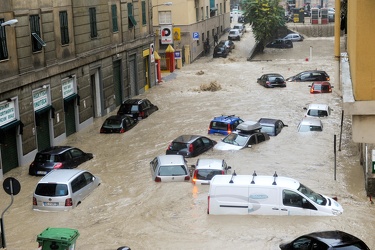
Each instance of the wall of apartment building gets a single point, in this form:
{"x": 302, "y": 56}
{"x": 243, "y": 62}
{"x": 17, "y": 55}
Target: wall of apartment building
{"x": 80, "y": 61}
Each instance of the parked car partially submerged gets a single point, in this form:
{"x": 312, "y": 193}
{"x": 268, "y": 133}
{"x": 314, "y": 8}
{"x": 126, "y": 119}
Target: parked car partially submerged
{"x": 169, "y": 168}
{"x": 206, "y": 169}
{"x": 295, "y": 37}
{"x": 271, "y": 126}
{"x": 309, "y": 76}
{"x": 271, "y": 80}
{"x": 118, "y": 124}
{"x": 190, "y": 145}
{"x": 317, "y": 110}
{"x": 320, "y": 87}
{"x": 224, "y": 124}
{"x": 280, "y": 44}
{"x": 326, "y": 240}
{"x": 310, "y": 124}
{"x": 137, "y": 108}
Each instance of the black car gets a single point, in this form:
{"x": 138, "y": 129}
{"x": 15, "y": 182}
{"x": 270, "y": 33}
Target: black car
{"x": 220, "y": 50}
{"x": 190, "y": 145}
{"x": 325, "y": 240}
{"x": 118, "y": 124}
{"x": 271, "y": 80}
{"x": 280, "y": 44}
{"x": 227, "y": 43}
{"x": 271, "y": 126}
{"x": 57, "y": 157}
{"x": 137, "y": 108}
{"x": 309, "y": 76}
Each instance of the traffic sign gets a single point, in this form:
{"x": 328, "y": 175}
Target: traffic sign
{"x": 11, "y": 186}
{"x": 195, "y": 35}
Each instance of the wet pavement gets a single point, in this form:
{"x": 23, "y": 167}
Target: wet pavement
{"x": 130, "y": 209}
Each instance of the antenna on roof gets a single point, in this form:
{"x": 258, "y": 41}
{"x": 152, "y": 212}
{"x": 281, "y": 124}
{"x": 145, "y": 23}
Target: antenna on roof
{"x": 234, "y": 174}
{"x": 274, "y": 178}
{"x": 254, "y": 174}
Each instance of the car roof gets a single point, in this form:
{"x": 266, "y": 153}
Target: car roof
{"x": 333, "y": 238}
{"x": 117, "y": 117}
{"x": 186, "y": 138}
{"x": 209, "y": 163}
{"x": 311, "y": 121}
{"x": 61, "y": 175}
{"x": 312, "y": 71}
{"x": 171, "y": 160}
{"x": 226, "y": 118}
{"x": 133, "y": 101}
{"x": 321, "y": 83}
{"x": 272, "y": 74}
{"x": 318, "y": 106}
{"x": 55, "y": 150}
{"x": 263, "y": 121}
{"x": 249, "y": 126}
{"x": 262, "y": 180}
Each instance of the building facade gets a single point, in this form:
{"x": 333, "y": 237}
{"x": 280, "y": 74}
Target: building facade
{"x": 63, "y": 64}
{"x": 358, "y": 82}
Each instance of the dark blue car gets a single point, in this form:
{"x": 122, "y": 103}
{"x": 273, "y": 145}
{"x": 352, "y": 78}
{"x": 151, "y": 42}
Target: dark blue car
{"x": 224, "y": 124}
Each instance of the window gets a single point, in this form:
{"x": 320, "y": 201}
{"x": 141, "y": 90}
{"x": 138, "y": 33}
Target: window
{"x": 36, "y": 41}
{"x": 131, "y": 21}
{"x": 93, "y": 28}
{"x": 165, "y": 17}
{"x": 64, "y": 31}
{"x": 3, "y": 42}
{"x": 114, "y": 18}
{"x": 144, "y": 21}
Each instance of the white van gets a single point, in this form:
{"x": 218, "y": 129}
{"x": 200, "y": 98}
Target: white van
{"x": 266, "y": 195}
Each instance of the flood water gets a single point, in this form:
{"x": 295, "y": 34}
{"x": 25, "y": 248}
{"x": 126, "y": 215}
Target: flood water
{"x": 129, "y": 209}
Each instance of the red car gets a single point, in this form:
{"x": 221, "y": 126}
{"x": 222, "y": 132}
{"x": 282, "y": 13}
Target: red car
{"x": 320, "y": 87}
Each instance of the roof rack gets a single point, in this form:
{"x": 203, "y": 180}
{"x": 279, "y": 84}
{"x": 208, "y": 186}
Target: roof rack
{"x": 254, "y": 174}
{"x": 234, "y": 174}
{"x": 274, "y": 178}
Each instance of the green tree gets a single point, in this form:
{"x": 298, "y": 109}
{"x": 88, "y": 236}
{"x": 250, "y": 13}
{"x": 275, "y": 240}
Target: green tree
{"x": 265, "y": 17}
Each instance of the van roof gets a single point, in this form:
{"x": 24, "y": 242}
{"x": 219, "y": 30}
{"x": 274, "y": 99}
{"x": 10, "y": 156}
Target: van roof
{"x": 259, "y": 180}
{"x": 60, "y": 175}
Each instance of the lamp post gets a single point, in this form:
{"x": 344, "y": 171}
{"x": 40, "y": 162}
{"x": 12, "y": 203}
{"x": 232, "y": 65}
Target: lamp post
{"x": 11, "y": 22}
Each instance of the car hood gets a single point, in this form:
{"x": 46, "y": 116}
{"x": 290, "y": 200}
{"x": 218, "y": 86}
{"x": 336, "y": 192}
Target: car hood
{"x": 226, "y": 146}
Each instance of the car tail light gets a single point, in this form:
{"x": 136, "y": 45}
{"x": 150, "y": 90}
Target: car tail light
{"x": 187, "y": 178}
{"x": 32, "y": 164}
{"x": 191, "y": 148}
{"x": 57, "y": 165}
{"x": 222, "y": 172}
{"x": 34, "y": 201}
{"x": 229, "y": 129}
{"x": 142, "y": 114}
{"x": 311, "y": 90}
{"x": 335, "y": 198}
{"x": 169, "y": 147}
{"x": 268, "y": 83}
{"x": 195, "y": 175}
{"x": 101, "y": 130}
{"x": 69, "y": 202}
{"x": 208, "y": 205}
{"x": 328, "y": 78}
{"x": 122, "y": 130}
{"x": 157, "y": 179}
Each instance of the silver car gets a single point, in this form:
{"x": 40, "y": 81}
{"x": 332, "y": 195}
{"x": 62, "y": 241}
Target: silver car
{"x": 310, "y": 124}
{"x": 318, "y": 110}
{"x": 63, "y": 189}
{"x": 295, "y": 37}
{"x": 169, "y": 168}
{"x": 206, "y": 169}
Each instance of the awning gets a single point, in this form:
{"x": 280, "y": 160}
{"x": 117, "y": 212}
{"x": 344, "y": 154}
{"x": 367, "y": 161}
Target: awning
{"x": 71, "y": 97}
{"x": 213, "y": 9}
{"x": 8, "y": 126}
{"x": 132, "y": 21}
{"x": 42, "y": 111}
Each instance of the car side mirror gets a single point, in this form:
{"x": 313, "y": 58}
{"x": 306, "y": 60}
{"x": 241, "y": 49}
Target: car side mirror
{"x": 229, "y": 167}
{"x": 193, "y": 166}
{"x": 258, "y": 79}
{"x": 309, "y": 86}
{"x": 304, "y": 108}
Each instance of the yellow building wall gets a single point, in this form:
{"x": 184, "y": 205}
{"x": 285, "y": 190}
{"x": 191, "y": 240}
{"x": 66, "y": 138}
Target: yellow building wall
{"x": 361, "y": 49}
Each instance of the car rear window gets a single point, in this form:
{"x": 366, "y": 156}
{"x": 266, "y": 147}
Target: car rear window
{"x": 113, "y": 123}
{"x": 173, "y": 170}
{"x": 178, "y": 146}
{"x": 218, "y": 125}
{"x": 316, "y": 112}
{"x": 47, "y": 158}
{"x": 207, "y": 174}
{"x": 51, "y": 189}
{"x": 306, "y": 128}
{"x": 267, "y": 129}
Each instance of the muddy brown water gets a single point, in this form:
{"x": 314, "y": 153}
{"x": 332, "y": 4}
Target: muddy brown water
{"x": 129, "y": 209}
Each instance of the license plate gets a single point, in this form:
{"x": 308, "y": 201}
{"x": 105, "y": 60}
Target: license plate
{"x": 48, "y": 204}
{"x": 41, "y": 172}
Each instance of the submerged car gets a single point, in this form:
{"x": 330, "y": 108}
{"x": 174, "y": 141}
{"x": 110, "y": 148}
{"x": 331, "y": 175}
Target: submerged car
{"x": 224, "y": 124}
{"x": 317, "y": 110}
{"x": 228, "y": 43}
{"x": 320, "y": 87}
{"x": 118, "y": 124}
{"x": 190, "y": 145}
{"x": 310, "y": 124}
{"x": 206, "y": 169}
{"x": 271, "y": 126}
{"x": 169, "y": 168}
{"x": 220, "y": 50}
{"x": 325, "y": 240}
{"x": 295, "y": 37}
{"x": 280, "y": 44}
{"x": 57, "y": 157}
{"x": 137, "y": 108}
{"x": 309, "y": 76}
{"x": 271, "y": 80}
{"x": 247, "y": 134}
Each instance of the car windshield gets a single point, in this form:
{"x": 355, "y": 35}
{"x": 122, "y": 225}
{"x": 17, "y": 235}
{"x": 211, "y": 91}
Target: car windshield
{"x": 315, "y": 197}
{"x": 173, "y": 170}
{"x": 113, "y": 123}
{"x": 306, "y": 128}
{"x": 51, "y": 189}
{"x": 207, "y": 174}
{"x": 40, "y": 157}
{"x": 236, "y": 139}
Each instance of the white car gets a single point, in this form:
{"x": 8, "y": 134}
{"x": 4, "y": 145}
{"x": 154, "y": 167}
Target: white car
{"x": 234, "y": 34}
{"x": 310, "y": 124}
{"x": 317, "y": 110}
{"x": 169, "y": 168}
{"x": 206, "y": 169}
{"x": 295, "y": 37}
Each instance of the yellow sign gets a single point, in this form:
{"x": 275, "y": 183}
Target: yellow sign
{"x": 177, "y": 34}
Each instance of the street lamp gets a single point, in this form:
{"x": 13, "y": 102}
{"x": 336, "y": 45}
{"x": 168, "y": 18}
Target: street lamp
{"x": 11, "y": 22}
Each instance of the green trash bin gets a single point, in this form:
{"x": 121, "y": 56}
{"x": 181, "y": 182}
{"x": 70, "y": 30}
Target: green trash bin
{"x": 58, "y": 238}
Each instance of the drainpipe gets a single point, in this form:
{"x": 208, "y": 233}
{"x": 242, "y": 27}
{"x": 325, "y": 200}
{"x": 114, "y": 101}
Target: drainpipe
{"x": 337, "y": 43}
